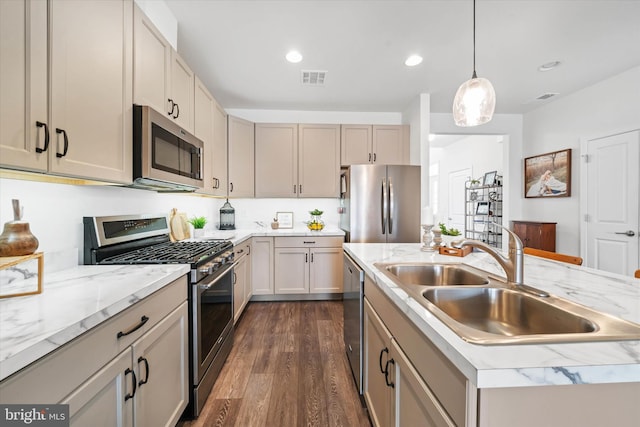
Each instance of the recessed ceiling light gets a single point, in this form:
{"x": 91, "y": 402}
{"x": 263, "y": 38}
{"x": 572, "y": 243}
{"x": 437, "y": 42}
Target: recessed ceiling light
{"x": 413, "y": 60}
{"x": 294, "y": 56}
{"x": 549, "y": 66}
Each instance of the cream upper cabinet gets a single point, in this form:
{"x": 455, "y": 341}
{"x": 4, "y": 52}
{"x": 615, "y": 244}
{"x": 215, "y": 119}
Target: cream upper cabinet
{"x": 203, "y": 129}
{"x": 89, "y": 122}
{"x": 241, "y": 157}
{"x": 162, "y": 80}
{"x": 276, "y": 160}
{"x": 182, "y": 86}
{"x": 319, "y": 160}
{"x": 152, "y": 64}
{"x": 219, "y": 165}
{"x": 23, "y": 85}
{"x": 91, "y": 89}
{"x": 297, "y": 160}
{"x": 377, "y": 144}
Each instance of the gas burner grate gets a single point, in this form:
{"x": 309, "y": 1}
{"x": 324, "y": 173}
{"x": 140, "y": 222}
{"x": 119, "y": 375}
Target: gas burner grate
{"x": 170, "y": 253}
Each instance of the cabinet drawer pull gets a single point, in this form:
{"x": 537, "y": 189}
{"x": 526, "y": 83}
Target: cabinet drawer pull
{"x": 386, "y": 373}
{"x": 66, "y": 142}
{"x": 133, "y": 381}
{"x": 143, "y": 320}
{"x": 175, "y": 116}
{"x": 46, "y": 137}
{"x": 312, "y": 242}
{"x": 380, "y": 360}
{"x": 146, "y": 370}
{"x": 170, "y": 112}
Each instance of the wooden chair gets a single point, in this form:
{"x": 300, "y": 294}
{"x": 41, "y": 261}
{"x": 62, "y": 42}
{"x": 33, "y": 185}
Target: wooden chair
{"x": 637, "y": 274}
{"x": 553, "y": 255}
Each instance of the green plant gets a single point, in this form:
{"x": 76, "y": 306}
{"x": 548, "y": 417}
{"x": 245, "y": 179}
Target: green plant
{"x": 316, "y": 212}
{"x": 198, "y": 222}
{"x": 448, "y": 231}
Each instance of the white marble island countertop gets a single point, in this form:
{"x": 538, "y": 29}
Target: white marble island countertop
{"x": 73, "y": 301}
{"x": 523, "y": 364}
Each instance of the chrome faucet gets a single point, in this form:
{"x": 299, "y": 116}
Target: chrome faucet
{"x": 513, "y": 265}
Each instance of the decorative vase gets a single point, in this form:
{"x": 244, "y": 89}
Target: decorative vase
{"x": 198, "y": 232}
{"x": 16, "y": 239}
{"x": 446, "y": 240}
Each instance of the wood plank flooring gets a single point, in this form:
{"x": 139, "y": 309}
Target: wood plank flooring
{"x": 287, "y": 368}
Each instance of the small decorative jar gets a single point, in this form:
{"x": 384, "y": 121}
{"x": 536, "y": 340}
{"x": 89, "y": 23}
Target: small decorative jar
{"x": 316, "y": 223}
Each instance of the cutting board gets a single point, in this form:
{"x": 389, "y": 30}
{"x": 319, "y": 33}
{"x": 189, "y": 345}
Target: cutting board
{"x": 179, "y": 226}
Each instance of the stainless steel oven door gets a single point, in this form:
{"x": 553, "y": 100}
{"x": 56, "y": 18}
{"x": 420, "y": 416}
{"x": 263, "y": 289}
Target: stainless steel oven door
{"x": 212, "y": 312}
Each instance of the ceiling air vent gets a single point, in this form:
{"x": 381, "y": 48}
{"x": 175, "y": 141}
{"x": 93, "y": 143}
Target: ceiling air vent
{"x": 313, "y": 77}
{"x": 545, "y": 96}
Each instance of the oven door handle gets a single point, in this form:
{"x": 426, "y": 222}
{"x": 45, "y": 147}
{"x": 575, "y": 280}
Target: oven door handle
{"x": 207, "y": 286}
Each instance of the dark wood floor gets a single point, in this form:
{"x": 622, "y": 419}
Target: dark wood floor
{"x": 287, "y": 368}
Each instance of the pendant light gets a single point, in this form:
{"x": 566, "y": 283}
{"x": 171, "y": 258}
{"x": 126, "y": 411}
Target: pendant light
{"x": 475, "y": 99}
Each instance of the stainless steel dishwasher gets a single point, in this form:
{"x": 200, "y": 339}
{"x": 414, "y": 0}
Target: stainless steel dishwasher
{"x": 353, "y": 315}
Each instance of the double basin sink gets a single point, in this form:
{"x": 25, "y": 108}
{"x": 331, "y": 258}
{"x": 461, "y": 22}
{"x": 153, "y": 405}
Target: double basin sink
{"x": 484, "y": 310}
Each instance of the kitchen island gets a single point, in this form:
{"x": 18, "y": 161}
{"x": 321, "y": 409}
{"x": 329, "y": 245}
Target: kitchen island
{"x": 497, "y": 372}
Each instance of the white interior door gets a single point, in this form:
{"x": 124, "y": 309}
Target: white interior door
{"x": 612, "y": 189}
{"x": 456, "y": 198}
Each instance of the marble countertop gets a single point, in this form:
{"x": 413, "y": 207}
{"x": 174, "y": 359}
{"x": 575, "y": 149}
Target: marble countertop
{"x": 73, "y": 301}
{"x": 523, "y": 364}
{"x": 239, "y": 235}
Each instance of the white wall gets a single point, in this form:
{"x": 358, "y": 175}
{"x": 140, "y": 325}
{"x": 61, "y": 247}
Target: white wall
{"x": 162, "y": 17}
{"x": 480, "y": 153}
{"x": 55, "y": 211}
{"x": 608, "y": 107}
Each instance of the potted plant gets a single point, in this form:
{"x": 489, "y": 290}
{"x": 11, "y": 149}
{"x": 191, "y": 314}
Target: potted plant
{"x": 316, "y": 223}
{"x": 198, "y": 223}
{"x": 474, "y": 183}
{"x": 449, "y": 234}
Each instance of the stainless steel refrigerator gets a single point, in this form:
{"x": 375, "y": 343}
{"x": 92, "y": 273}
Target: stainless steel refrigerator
{"x": 381, "y": 204}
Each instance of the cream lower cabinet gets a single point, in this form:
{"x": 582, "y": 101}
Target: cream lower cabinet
{"x": 131, "y": 371}
{"x": 242, "y": 278}
{"x": 308, "y": 265}
{"x": 262, "y": 266}
{"x": 393, "y": 390}
{"x": 406, "y": 381}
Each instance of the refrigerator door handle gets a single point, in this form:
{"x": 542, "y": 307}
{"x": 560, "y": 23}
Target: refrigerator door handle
{"x": 383, "y": 205}
{"x": 390, "y": 206}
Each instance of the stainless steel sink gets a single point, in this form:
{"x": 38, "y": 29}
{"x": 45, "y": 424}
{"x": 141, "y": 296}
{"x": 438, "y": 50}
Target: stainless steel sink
{"x": 434, "y": 274}
{"x": 485, "y": 310}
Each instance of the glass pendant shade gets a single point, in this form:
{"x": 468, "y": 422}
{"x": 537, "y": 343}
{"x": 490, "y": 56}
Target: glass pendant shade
{"x": 474, "y": 103}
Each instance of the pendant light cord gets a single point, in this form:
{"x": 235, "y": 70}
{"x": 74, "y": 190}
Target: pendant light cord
{"x": 475, "y": 76}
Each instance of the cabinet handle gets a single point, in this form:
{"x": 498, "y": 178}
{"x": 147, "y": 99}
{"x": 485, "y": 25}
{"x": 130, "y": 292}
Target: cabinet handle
{"x": 312, "y": 242}
{"x": 294, "y": 189}
{"x": 312, "y": 257}
{"x": 300, "y": 188}
{"x": 384, "y": 350}
{"x": 374, "y": 157}
{"x": 170, "y": 112}
{"x": 178, "y": 108}
{"x": 143, "y": 320}
{"x": 386, "y": 373}
{"x": 235, "y": 277}
{"x": 134, "y": 382}
{"x": 369, "y": 157}
{"x": 306, "y": 257}
{"x": 46, "y": 137}
{"x": 216, "y": 183}
{"x": 146, "y": 369}
{"x": 231, "y": 187}
{"x": 66, "y": 142}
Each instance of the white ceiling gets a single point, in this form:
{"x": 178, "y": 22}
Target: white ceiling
{"x": 237, "y": 48}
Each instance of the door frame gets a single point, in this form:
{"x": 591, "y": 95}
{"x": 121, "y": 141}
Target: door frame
{"x": 584, "y": 190}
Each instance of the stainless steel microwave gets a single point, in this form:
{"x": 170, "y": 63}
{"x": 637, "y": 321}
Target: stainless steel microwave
{"x": 166, "y": 158}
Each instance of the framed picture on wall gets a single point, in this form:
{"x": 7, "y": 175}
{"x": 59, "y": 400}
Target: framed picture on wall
{"x": 482, "y": 208}
{"x": 285, "y": 219}
{"x": 548, "y": 175}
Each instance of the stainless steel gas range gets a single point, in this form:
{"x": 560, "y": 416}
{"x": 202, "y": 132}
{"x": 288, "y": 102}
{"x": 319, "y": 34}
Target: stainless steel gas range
{"x": 144, "y": 239}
